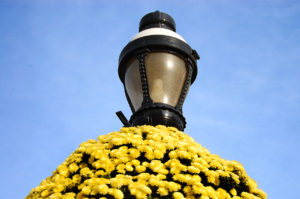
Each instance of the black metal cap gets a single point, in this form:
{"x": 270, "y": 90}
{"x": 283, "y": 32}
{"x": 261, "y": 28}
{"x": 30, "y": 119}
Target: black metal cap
{"x": 157, "y": 19}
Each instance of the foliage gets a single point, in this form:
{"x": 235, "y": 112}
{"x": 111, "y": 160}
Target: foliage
{"x": 146, "y": 162}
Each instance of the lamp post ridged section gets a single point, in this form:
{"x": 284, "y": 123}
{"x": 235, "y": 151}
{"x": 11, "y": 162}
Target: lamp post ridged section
{"x": 146, "y": 96}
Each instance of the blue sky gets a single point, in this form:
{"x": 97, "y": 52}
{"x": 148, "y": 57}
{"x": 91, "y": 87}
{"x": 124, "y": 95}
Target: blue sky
{"x": 59, "y": 84}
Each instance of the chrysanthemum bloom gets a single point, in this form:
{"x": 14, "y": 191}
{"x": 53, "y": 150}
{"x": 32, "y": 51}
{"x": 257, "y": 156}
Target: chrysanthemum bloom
{"x": 146, "y": 162}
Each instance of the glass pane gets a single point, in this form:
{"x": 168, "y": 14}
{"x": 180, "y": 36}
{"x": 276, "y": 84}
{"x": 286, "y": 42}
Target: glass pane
{"x": 166, "y": 74}
{"x": 133, "y": 83}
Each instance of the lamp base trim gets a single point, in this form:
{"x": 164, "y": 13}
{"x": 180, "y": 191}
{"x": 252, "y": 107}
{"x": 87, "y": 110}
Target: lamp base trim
{"x": 159, "y": 114}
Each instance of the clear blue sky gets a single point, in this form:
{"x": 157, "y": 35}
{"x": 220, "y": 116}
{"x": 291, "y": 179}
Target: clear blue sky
{"x": 59, "y": 84}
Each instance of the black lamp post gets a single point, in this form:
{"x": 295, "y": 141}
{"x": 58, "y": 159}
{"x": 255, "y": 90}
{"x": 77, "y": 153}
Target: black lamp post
{"x": 157, "y": 68}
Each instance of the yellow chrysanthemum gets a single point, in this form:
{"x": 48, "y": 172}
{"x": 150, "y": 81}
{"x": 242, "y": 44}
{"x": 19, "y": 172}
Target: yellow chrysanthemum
{"x": 146, "y": 162}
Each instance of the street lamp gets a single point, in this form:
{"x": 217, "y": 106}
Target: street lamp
{"x": 157, "y": 68}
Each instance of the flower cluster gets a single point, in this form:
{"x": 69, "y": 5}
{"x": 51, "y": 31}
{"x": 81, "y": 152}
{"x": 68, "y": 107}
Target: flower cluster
{"x": 146, "y": 162}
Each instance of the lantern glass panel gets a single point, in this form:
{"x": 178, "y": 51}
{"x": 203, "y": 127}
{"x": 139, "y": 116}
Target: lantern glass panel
{"x": 133, "y": 83}
{"x": 166, "y": 74}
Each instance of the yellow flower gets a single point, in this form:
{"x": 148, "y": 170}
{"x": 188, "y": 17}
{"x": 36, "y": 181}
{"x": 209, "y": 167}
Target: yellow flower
{"x": 178, "y": 195}
{"x": 135, "y": 162}
{"x": 129, "y": 167}
{"x": 117, "y": 194}
{"x": 233, "y": 192}
{"x": 221, "y": 193}
{"x": 134, "y": 153}
{"x": 70, "y": 195}
{"x": 59, "y": 188}
{"x": 158, "y": 154}
{"x": 59, "y": 196}
{"x": 73, "y": 167}
{"x": 173, "y": 155}
{"x": 102, "y": 189}
{"x": 121, "y": 168}
{"x": 45, "y": 193}
{"x": 172, "y": 186}
{"x": 162, "y": 191}
{"x": 85, "y": 171}
{"x": 140, "y": 168}
{"x": 86, "y": 190}
{"x": 63, "y": 170}
{"x": 116, "y": 183}
{"x": 117, "y": 141}
{"x": 248, "y": 196}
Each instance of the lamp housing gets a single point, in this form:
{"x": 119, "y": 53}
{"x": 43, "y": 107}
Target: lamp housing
{"x": 157, "y": 68}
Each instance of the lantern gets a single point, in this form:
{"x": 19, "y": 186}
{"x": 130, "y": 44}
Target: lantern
{"x": 157, "y": 68}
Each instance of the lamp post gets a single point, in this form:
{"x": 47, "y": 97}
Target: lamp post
{"x": 157, "y": 68}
